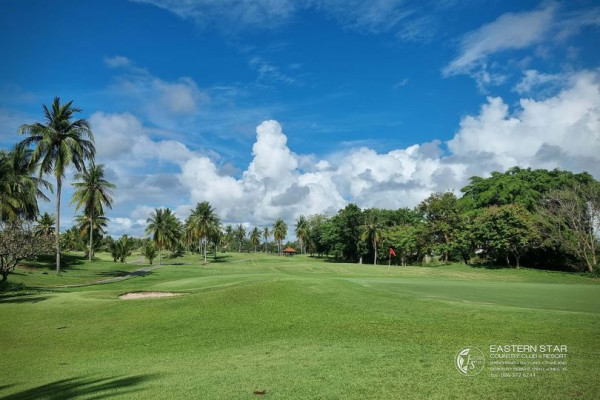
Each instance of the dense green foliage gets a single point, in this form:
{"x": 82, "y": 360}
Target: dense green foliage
{"x": 539, "y": 218}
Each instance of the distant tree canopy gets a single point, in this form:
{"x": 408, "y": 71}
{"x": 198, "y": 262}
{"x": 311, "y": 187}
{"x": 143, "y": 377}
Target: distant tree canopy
{"x": 539, "y": 218}
{"x": 518, "y": 186}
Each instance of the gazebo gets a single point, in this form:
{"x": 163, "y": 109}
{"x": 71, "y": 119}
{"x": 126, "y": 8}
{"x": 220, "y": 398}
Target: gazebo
{"x": 289, "y": 251}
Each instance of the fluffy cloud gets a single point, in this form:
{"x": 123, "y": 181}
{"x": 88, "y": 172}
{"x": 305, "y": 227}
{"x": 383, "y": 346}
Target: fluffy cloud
{"x": 560, "y": 131}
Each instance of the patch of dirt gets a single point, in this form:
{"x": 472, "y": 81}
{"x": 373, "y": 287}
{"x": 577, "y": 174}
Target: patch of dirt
{"x": 147, "y": 295}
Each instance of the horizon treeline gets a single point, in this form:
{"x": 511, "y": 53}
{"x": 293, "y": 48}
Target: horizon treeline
{"x": 535, "y": 218}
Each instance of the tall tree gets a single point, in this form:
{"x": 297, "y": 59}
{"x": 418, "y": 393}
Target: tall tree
{"x": 58, "y": 143}
{"x": 240, "y": 236}
{"x": 202, "y": 223}
{"x": 442, "y": 217}
{"x": 97, "y": 224}
{"x": 164, "y": 228}
{"x": 279, "y": 232}
{"x": 372, "y": 233}
{"x": 506, "y": 230}
{"x": 255, "y": 238}
{"x": 228, "y": 235}
{"x": 316, "y": 240}
{"x": 302, "y": 231}
{"x": 92, "y": 193}
{"x": 266, "y": 235}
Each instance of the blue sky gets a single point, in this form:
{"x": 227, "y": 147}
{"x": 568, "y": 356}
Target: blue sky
{"x": 272, "y": 108}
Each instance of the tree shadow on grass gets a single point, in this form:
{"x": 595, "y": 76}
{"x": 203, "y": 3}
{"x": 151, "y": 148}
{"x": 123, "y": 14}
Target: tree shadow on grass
{"x": 488, "y": 266}
{"x": 219, "y": 259}
{"x": 67, "y": 262}
{"x": 21, "y": 299}
{"x": 82, "y": 386}
{"x": 112, "y": 274}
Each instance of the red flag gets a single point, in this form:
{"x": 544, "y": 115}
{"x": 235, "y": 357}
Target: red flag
{"x": 392, "y": 252}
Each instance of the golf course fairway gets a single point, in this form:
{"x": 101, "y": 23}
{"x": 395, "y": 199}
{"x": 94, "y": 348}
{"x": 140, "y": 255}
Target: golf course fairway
{"x": 261, "y": 326}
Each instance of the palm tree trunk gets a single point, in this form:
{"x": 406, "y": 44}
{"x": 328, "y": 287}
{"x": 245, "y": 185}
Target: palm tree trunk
{"x": 375, "y": 255}
{"x": 91, "y": 239}
{"x": 205, "y": 246}
{"x": 58, "y": 187}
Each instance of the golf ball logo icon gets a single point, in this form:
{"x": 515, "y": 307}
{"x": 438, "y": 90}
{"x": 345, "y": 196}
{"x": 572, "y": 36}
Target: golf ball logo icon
{"x": 470, "y": 361}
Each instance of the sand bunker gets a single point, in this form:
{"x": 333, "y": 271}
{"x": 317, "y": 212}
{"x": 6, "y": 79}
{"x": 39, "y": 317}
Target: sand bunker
{"x": 147, "y": 295}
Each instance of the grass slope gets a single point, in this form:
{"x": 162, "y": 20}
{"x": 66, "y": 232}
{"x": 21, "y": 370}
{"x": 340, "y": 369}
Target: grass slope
{"x": 295, "y": 328}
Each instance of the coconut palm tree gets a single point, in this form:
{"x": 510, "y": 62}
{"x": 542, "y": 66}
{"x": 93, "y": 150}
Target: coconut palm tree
{"x": 240, "y": 236}
{"x": 19, "y": 187}
{"x": 266, "y": 236}
{"x": 279, "y": 232}
{"x": 201, "y": 224}
{"x": 228, "y": 235}
{"x": 372, "y": 233}
{"x": 45, "y": 224}
{"x": 97, "y": 224}
{"x": 92, "y": 193}
{"x": 302, "y": 231}
{"x": 255, "y": 238}
{"x": 164, "y": 228}
{"x": 58, "y": 143}
{"x": 149, "y": 251}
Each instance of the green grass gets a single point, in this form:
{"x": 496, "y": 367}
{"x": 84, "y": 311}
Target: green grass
{"x": 294, "y": 327}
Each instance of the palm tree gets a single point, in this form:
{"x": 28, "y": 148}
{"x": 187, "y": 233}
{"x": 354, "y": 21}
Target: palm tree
{"x": 279, "y": 232}
{"x": 240, "y": 236}
{"x": 266, "y": 236}
{"x": 59, "y": 143}
{"x": 45, "y": 224}
{"x": 228, "y": 234}
{"x": 149, "y": 251}
{"x": 302, "y": 231}
{"x": 255, "y": 238}
{"x": 96, "y": 224}
{"x": 92, "y": 193}
{"x": 372, "y": 233}
{"x": 71, "y": 239}
{"x": 19, "y": 187}
{"x": 216, "y": 235}
{"x": 201, "y": 224}
{"x": 164, "y": 228}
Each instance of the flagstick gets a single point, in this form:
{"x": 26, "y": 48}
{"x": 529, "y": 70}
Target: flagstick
{"x": 389, "y": 263}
